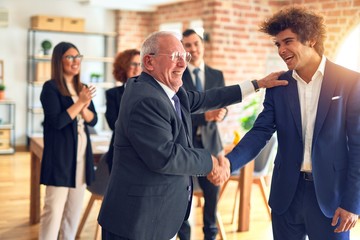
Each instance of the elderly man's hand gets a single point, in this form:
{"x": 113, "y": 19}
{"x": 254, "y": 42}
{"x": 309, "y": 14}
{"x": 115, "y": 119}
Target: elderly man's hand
{"x": 271, "y": 80}
{"x": 221, "y": 170}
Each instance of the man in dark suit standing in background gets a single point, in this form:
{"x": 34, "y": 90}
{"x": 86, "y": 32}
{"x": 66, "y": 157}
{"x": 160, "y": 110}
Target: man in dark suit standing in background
{"x": 150, "y": 189}
{"x": 199, "y": 76}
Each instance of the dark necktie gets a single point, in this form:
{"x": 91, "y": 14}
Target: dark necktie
{"x": 177, "y": 105}
{"x": 197, "y": 79}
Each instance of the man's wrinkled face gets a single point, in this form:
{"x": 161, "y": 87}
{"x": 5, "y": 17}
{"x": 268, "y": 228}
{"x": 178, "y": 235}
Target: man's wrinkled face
{"x": 166, "y": 68}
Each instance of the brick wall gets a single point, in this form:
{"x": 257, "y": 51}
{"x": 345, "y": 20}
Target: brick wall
{"x": 340, "y": 18}
{"x": 133, "y": 28}
{"x": 236, "y": 47}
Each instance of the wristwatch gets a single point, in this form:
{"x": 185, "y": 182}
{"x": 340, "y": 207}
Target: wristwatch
{"x": 256, "y": 85}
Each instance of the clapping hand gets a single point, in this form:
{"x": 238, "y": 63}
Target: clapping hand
{"x": 221, "y": 170}
{"x": 86, "y": 94}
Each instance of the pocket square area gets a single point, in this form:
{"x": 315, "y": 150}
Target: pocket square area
{"x": 336, "y": 97}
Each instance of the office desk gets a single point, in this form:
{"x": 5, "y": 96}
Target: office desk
{"x": 99, "y": 147}
{"x": 36, "y": 150}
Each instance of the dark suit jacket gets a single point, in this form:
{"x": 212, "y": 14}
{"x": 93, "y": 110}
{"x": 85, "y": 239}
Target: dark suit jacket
{"x": 113, "y": 100}
{"x": 148, "y": 195}
{"x": 58, "y": 165}
{"x": 210, "y": 136}
{"x": 335, "y": 146}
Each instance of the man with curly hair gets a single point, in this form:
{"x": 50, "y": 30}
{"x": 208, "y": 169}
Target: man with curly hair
{"x": 315, "y": 189}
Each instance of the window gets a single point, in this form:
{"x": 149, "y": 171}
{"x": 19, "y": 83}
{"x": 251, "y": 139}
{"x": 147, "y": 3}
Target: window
{"x": 197, "y": 25}
{"x": 349, "y": 53}
{"x": 172, "y": 27}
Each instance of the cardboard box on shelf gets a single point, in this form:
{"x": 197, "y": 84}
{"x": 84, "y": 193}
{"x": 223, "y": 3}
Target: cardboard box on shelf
{"x": 46, "y": 22}
{"x": 73, "y": 24}
{"x": 4, "y": 144}
{"x": 42, "y": 71}
{"x": 4, "y": 134}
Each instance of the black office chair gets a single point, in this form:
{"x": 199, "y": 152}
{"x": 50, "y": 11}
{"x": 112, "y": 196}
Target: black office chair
{"x": 97, "y": 189}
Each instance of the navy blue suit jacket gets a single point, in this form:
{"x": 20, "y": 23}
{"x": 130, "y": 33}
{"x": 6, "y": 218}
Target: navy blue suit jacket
{"x": 335, "y": 146}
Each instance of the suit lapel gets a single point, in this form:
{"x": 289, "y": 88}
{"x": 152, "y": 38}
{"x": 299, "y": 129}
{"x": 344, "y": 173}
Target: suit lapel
{"x": 185, "y": 109}
{"x": 149, "y": 79}
{"x": 184, "y": 101}
{"x": 294, "y": 103}
{"x": 188, "y": 81}
{"x": 326, "y": 93}
{"x": 208, "y": 78}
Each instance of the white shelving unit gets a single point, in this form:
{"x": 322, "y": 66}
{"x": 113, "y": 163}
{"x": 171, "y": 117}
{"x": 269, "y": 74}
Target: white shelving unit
{"x": 98, "y": 49}
{"x": 7, "y": 126}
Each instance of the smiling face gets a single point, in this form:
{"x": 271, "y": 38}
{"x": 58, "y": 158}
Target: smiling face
{"x": 134, "y": 68}
{"x": 194, "y": 45}
{"x": 298, "y": 56}
{"x": 162, "y": 67}
{"x": 71, "y": 66}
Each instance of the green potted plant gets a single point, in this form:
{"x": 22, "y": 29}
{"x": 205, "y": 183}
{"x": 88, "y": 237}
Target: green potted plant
{"x": 2, "y": 91}
{"x": 94, "y": 77}
{"x": 252, "y": 109}
{"x": 46, "y": 46}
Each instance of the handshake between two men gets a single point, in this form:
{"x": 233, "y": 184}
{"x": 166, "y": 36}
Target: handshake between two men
{"x": 220, "y": 172}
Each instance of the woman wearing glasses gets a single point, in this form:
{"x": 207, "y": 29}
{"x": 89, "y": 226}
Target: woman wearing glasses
{"x": 126, "y": 65}
{"x": 67, "y": 163}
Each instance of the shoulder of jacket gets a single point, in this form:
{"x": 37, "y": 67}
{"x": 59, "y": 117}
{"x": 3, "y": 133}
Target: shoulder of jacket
{"x": 209, "y": 68}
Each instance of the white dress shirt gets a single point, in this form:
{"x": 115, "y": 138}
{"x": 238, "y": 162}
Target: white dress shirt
{"x": 309, "y": 97}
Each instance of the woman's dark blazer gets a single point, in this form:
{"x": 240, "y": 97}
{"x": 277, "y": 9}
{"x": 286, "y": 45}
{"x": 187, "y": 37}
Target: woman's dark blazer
{"x": 58, "y": 165}
{"x": 113, "y": 99}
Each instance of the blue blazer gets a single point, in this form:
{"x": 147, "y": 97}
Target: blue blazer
{"x": 148, "y": 192}
{"x": 335, "y": 146}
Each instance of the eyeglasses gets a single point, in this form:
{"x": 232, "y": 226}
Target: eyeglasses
{"x": 176, "y": 56}
{"x": 135, "y": 64}
{"x": 71, "y": 58}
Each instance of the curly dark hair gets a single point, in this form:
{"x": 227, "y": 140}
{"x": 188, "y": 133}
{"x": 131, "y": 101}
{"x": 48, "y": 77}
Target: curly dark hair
{"x": 307, "y": 24}
{"x": 122, "y": 63}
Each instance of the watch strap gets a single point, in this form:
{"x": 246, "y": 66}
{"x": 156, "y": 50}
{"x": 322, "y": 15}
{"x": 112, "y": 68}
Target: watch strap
{"x": 256, "y": 85}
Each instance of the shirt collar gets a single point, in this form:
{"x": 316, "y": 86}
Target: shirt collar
{"x": 320, "y": 70}
{"x": 170, "y": 93}
{"x": 192, "y": 67}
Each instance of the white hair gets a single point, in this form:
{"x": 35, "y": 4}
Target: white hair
{"x": 151, "y": 43}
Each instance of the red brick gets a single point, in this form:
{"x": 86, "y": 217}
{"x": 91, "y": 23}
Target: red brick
{"x": 233, "y": 29}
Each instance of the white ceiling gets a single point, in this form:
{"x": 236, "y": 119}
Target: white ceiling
{"x": 130, "y": 5}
